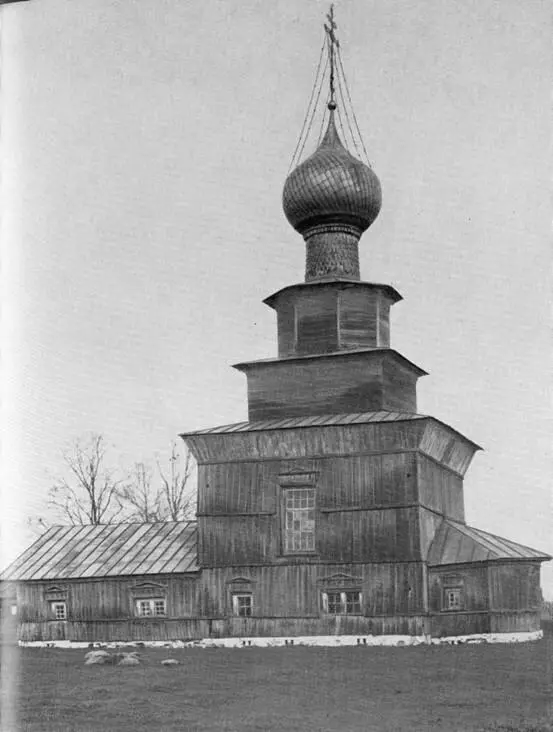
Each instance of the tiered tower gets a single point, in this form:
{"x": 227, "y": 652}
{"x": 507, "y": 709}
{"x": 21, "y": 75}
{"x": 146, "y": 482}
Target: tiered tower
{"x": 337, "y": 507}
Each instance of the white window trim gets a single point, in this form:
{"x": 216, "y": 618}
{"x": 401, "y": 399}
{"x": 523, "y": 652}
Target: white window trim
{"x": 447, "y": 606}
{"x": 343, "y": 601}
{"x": 150, "y": 601}
{"x": 286, "y": 491}
{"x": 54, "y": 604}
{"x": 236, "y": 606}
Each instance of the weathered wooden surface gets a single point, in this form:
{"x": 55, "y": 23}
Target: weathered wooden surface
{"x": 104, "y": 599}
{"x": 348, "y": 381}
{"x": 440, "y": 489}
{"x": 331, "y": 316}
{"x": 514, "y": 586}
{"x": 423, "y": 434}
{"x": 295, "y": 590}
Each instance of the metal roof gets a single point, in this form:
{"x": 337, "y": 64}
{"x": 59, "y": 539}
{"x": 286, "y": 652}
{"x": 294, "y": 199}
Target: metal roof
{"x": 346, "y": 353}
{"x": 72, "y": 552}
{"x": 457, "y": 543}
{"x": 317, "y": 421}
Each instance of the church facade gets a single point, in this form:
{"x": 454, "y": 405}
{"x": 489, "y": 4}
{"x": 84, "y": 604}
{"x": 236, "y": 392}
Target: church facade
{"x": 336, "y": 509}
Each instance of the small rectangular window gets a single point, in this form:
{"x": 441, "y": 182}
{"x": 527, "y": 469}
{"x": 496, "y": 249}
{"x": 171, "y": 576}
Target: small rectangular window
{"x": 242, "y": 605}
{"x": 299, "y": 520}
{"x": 59, "y": 610}
{"x": 348, "y": 602}
{"x": 452, "y": 598}
{"x": 154, "y": 607}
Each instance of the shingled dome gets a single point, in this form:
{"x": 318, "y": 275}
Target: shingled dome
{"x": 332, "y": 187}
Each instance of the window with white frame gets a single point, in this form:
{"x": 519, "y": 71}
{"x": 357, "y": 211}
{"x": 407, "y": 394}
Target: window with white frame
{"x": 59, "y": 610}
{"x": 453, "y": 598}
{"x": 152, "y": 607}
{"x": 299, "y": 520}
{"x": 342, "y": 602}
{"x": 242, "y": 604}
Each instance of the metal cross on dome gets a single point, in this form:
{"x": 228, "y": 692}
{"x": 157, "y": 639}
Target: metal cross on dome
{"x": 333, "y": 43}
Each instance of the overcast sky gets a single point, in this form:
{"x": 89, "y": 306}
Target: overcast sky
{"x": 145, "y": 146}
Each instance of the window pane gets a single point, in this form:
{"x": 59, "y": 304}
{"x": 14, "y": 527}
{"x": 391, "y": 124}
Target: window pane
{"x": 59, "y": 610}
{"x": 299, "y": 520}
{"x": 159, "y": 607}
{"x": 334, "y": 603}
{"x": 353, "y": 602}
{"x": 453, "y": 598}
{"x": 144, "y": 608}
{"x": 242, "y": 605}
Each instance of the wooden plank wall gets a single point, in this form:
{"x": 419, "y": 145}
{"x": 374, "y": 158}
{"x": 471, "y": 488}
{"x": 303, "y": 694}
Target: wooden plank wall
{"x": 338, "y": 440}
{"x": 399, "y": 387}
{"x": 474, "y": 580}
{"x": 515, "y": 586}
{"x": 429, "y": 525}
{"x": 334, "y": 385}
{"x": 444, "y": 446}
{"x": 317, "y": 321}
{"x": 195, "y": 629}
{"x": 363, "y": 481}
{"x": 440, "y": 489}
{"x": 358, "y": 319}
{"x": 106, "y": 599}
{"x": 365, "y": 509}
{"x": 395, "y": 588}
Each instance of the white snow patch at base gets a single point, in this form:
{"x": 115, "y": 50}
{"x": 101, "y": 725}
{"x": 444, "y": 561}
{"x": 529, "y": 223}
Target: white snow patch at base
{"x": 327, "y": 641}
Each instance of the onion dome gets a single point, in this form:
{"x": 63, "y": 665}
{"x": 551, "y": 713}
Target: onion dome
{"x": 331, "y": 186}
{"x": 331, "y": 199}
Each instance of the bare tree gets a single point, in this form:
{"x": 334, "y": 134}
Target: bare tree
{"x": 38, "y": 525}
{"x": 179, "y": 495}
{"x": 146, "y": 504}
{"x": 90, "y": 493}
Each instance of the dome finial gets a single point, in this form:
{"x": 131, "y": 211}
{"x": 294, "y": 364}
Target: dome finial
{"x": 333, "y": 43}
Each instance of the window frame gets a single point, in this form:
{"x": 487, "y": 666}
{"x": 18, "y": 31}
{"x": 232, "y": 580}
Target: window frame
{"x": 151, "y": 603}
{"x": 449, "y": 607}
{"x": 343, "y": 593}
{"x": 236, "y": 607}
{"x": 54, "y": 604}
{"x": 286, "y": 491}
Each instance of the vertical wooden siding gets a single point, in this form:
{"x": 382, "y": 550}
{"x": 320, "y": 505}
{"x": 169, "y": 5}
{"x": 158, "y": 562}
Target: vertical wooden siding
{"x": 440, "y": 489}
{"x": 515, "y": 586}
{"x": 92, "y": 599}
{"x": 294, "y": 590}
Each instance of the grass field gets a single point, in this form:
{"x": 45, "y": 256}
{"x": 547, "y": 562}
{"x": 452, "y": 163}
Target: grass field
{"x": 478, "y": 687}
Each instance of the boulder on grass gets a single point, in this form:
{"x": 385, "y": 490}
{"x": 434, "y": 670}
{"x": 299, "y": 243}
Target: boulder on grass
{"x": 128, "y": 660}
{"x": 93, "y": 659}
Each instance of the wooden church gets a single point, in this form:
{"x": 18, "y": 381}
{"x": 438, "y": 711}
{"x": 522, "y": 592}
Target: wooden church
{"x": 336, "y": 509}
